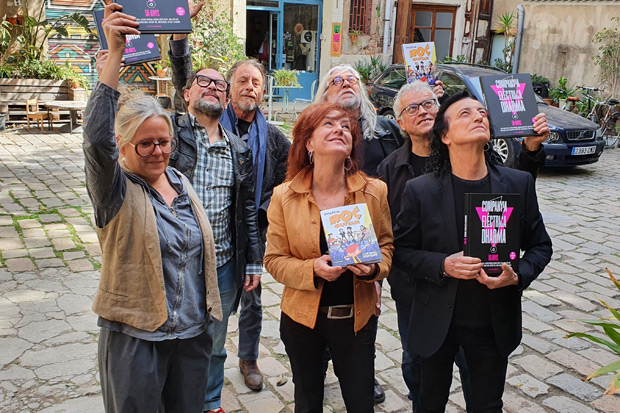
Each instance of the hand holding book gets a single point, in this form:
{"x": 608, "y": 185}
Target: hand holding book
{"x": 324, "y": 270}
{"x": 461, "y": 266}
{"x": 532, "y": 143}
{"x": 506, "y": 278}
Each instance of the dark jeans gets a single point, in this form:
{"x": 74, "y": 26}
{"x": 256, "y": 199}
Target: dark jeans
{"x": 250, "y": 324}
{"x": 352, "y": 357}
{"x": 487, "y": 371}
{"x": 149, "y": 376}
{"x": 410, "y": 364}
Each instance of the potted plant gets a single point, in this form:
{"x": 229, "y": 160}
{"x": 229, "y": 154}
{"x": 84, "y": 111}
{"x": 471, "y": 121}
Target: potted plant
{"x": 285, "y": 77}
{"x": 161, "y": 72}
{"x": 562, "y": 92}
{"x": 353, "y": 35}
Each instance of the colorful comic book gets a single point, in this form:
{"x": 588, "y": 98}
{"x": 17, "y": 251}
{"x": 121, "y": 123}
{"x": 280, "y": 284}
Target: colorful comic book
{"x": 350, "y": 235}
{"x": 420, "y": 62}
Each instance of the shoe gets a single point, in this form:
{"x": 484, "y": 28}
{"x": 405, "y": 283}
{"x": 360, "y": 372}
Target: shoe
{"x": 218, "y": 410}
{"x": 251, "y": 374}
{"x": 379, "y": 394}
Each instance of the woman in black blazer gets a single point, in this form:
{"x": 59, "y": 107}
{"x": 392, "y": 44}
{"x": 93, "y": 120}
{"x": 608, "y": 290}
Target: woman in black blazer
{"x": 455, "y": 302}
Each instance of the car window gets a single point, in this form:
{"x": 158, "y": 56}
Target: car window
{"x": 394, "y": 79}
{"x": 451, "y": 83}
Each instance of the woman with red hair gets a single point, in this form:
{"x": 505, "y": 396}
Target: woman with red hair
{"x": 325, "y": 306}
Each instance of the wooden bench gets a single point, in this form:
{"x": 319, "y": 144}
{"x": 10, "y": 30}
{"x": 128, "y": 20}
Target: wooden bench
{"x": 15, "y": 92}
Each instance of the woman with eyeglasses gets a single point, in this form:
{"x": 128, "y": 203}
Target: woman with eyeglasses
{"x": 325, "y": 306}
{"x": 158, "y": 286}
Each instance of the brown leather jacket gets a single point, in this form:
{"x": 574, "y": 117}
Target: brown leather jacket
{"x": 293, "y": 244}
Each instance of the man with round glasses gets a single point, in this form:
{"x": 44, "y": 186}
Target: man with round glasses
{"x": 416, "y": 106}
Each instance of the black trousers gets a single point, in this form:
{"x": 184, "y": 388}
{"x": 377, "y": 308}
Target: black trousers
{"x": 352, "y": 356}
{"x": 150, "y": 376}
{"x": 487, "y": 371}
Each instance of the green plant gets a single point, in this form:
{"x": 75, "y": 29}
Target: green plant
{"x": 506, "y": 25}
{"x": 213, "y": 42}
{"x": 449, "y": 59}
{"x": 610, "y": 329}
{"x": 364, "y": 69}
{"x": 285, "y": 77}
{"x": 540, "y": 80}
{"x": 157, "y": 66}
{"x": 563, "y": 91}
{"x": 369, "y": 70}
{"x": 36, "y": 29}
{"x": 500, "y": 64}
{"x": 608, "y": 57}
{"x": 5, "y": 40}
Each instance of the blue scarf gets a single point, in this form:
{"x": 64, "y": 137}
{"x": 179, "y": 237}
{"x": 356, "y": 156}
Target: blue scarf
{"x": 257, "y": 141}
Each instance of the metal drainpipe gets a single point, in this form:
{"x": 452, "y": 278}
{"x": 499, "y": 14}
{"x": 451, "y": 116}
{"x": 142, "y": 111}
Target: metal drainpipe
{"x": 386, "y": 25}
{"x": 515, "y": 65}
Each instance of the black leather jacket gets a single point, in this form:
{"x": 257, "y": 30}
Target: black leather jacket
{"x": 246, "y": 239}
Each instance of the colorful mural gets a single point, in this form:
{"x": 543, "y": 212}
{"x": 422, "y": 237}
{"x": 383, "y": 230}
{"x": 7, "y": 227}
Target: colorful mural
{"x": 81, "y": 47}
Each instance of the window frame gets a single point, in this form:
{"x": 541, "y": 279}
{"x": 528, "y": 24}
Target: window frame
{"x": 363, "y": 15}
{"x": 433, "y": 9}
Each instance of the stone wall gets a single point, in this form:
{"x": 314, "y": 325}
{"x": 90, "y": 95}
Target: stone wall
{"x": 557, "y": 39}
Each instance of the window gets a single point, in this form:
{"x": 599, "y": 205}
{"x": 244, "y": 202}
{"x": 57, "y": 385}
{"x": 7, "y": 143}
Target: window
{"x": 452, "y": 84}
{"x": 394, "y": 79}
{"x": 361, "y": 11}
{"x": 434, "y": 24}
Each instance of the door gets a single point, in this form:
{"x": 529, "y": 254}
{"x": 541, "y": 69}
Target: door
{"x": 300, "y": 47}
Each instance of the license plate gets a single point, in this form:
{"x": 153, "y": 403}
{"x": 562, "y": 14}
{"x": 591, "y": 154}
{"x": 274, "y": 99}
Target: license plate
{"x": 584, "y": 150}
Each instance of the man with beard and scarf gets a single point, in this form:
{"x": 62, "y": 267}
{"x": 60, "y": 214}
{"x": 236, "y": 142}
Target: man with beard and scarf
{"x": 270, "y": 153}
{"x": 220, "y": 166}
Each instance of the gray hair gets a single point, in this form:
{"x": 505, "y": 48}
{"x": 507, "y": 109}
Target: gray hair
{"x": 368, "y": 113}
{"x": 134, "y": 109}
{"x": 416, "y": 86}
{"x": 251, "y": 62}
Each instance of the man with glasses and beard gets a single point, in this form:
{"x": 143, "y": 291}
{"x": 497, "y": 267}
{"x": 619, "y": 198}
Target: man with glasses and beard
{"x": 220, "y": 166}
{"x": 269, "y": 146}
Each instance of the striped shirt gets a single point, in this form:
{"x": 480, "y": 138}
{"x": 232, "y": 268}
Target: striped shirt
{"x": 214, "y": 182}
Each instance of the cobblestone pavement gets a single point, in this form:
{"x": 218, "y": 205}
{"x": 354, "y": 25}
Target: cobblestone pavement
{"x": 49, "y": 257}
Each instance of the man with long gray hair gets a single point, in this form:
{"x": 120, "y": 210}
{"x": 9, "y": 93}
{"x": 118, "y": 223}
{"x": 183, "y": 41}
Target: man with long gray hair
{"x": 381, "y": 135}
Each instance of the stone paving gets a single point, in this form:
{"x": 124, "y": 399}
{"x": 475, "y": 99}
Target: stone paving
{"x": 49, "y": 257}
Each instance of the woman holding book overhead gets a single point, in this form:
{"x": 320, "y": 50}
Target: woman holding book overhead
{"x": 158, "y": 286}
{"x": 325, "y": 304}
{"x": 466, "y": 299}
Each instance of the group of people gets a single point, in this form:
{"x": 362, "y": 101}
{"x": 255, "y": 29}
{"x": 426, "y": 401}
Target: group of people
{"x": 189, "y": 204}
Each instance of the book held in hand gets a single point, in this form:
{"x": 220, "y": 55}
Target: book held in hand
{"x": 420, "y": 62}
{"x": 511, "y": 102}
{"x": 350, "y": 235}
{"x": 159, "y": 16}
{"x": 492, "y": 230}
{"x": 138, "y": 49}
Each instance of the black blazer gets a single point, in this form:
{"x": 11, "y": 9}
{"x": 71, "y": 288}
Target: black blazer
{"x": 425, "y": 233}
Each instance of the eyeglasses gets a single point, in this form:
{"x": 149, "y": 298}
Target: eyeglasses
{"x": 205, "y": 81}
{"x": 146, "y": 148}
{"x": 339, "y": 80}
{"x": 429, "y": 105}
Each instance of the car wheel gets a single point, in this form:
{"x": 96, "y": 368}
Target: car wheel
{"x": 505, "y": 148}
{"x": 389, "y": 114}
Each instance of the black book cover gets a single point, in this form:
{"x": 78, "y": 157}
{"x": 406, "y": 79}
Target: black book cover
{"x": 159, "y": 16}
{"x": 138, "y": 49}
{"x": 492, "y": 230}
{"x": 511, "y": 103}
